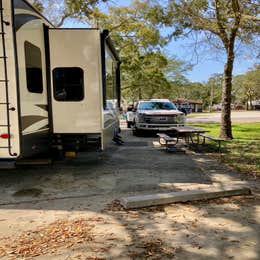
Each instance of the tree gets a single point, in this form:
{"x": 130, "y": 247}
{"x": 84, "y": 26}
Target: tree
{"x": 58, "y": 11}
{"x": 247, "y": 86}
{"x": 147, "y": 72}
{"x": 214, "y": 84}
{"x": 38, "y": 5}
{"x": 222, "y": 23}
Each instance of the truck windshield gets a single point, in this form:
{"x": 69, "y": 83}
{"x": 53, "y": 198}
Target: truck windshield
{"x": 157, "y": 106}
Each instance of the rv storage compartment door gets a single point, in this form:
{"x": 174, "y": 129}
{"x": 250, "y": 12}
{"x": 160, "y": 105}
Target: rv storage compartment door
{"x": 75, "y": 80}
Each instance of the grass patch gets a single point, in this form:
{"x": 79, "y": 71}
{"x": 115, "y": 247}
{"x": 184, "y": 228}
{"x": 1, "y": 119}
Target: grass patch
{"x": 243, "y": 152}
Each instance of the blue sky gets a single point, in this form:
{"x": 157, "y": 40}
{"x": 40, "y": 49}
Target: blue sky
{"x": 207, "y": 63}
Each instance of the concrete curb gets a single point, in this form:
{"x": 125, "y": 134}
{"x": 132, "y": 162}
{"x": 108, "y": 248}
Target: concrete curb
{"x": 181, "y": 196}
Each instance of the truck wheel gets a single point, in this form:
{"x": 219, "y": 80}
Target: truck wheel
{"x": 136, "y": 131}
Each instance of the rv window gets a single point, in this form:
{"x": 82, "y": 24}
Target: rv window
{"x": 68, "y": 84}
{"x": 111, "y": 94}
{"x": 33, "y": 63}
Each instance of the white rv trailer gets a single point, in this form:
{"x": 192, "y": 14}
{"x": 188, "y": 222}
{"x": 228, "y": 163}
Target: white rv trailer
{"x": 58, "y": 87}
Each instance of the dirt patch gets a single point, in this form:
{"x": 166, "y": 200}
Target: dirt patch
{"x": 136, "y": 144}
{"x": 33, "y": 192}
{"x": 153, "y": 249}
{"x": 60, "y": 234}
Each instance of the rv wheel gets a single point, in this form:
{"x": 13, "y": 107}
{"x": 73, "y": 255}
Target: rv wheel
{"x": 58, "y": 155}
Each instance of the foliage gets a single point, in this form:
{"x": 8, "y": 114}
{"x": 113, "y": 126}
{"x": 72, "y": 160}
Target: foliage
{"x": 38, "y": 5}
{"x": 247, "y": 86}
{"x": 147, "y": 72}
{"x": 222, "y": 24}
{"x": 58, "y": 11}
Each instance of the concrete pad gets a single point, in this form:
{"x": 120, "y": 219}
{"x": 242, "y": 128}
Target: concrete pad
{"x": 181, "y": 196}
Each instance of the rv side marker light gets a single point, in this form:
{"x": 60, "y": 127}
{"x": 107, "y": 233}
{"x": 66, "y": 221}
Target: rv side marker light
{"x": 5, "y": 136}
{"x": 70, "y": 154}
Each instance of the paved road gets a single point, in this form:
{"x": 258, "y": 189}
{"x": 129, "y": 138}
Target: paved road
{"x": 237, "y": 116}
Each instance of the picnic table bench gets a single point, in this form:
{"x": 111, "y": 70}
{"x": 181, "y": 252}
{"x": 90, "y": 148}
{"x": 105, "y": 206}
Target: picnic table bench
{"x": 168, "y": 141}
{"x": 213, "y": 138}
{"x": 165, "y": 139}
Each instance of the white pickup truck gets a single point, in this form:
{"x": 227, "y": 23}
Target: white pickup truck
{"x": 156, "y": 115}
{"x": 130, "y": 115}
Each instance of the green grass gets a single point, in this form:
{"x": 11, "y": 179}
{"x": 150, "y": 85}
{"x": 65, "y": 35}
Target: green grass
{"x": 243, "y": 152}
{"x": 195, "y": 114}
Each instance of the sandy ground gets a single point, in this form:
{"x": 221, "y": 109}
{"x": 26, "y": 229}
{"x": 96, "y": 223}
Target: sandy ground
{"x": 82, "y": 193}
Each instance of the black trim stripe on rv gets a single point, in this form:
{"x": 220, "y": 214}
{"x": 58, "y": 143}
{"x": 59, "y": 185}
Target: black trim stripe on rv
{"x": 21, "y": 19}
{"x": 18, "y": 4}
{"x": 110, "y": 44}
{"x": 103, "y": 65}
{"x": 28, "y": 121}
{"x": 24, "y": 5}
{"x": 44, "y": 107}
{"x": 105, "y": 39}
{"x": 46, "y": 127}
{"x": 48, "y": 73}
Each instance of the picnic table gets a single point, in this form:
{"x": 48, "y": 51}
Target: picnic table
{"x": 188, "y": 132}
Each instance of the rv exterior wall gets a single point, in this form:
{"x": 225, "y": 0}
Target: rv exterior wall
{"x": 77, "y": 50}
{"x": 32, "y": 103}
{"x": 33, "y": 99}
{"x": 8, "y": 72}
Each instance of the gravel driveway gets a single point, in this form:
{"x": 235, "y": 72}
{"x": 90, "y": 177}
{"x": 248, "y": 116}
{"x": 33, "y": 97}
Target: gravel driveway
{"x": 70, "y": 211}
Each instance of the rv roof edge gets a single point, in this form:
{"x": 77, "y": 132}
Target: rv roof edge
{"x": 106, "y": 34}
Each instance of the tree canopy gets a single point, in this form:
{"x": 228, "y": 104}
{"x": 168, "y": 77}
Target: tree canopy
{"x": 223, "y": 24}
{"x": 147, "y": 72}
{"x": 247, "y": 86}
{"x": 58, "y": 11}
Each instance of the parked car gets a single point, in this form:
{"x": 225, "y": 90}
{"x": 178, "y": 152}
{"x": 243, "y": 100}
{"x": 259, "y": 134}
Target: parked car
{"x": 157, "y": 115}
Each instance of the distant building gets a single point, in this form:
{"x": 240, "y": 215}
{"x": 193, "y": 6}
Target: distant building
{"x": 188, "y": 104}
{"x": 256, "y": 104}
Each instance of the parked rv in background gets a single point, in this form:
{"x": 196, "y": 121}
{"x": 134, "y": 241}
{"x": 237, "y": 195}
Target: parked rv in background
{"x": 59, "y": 88}
{"x": 188, "y": 105}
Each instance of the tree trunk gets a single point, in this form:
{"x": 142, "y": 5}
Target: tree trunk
{"x": 140, "y": 96}
{"x": 211, "y": 97}
{"x": 250, "y": 103}
{"x": 226, "y": 127}
{"x": 247, "y": 108}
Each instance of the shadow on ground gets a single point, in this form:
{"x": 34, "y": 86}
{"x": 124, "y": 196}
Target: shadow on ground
{"x": 88, "y": 187}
